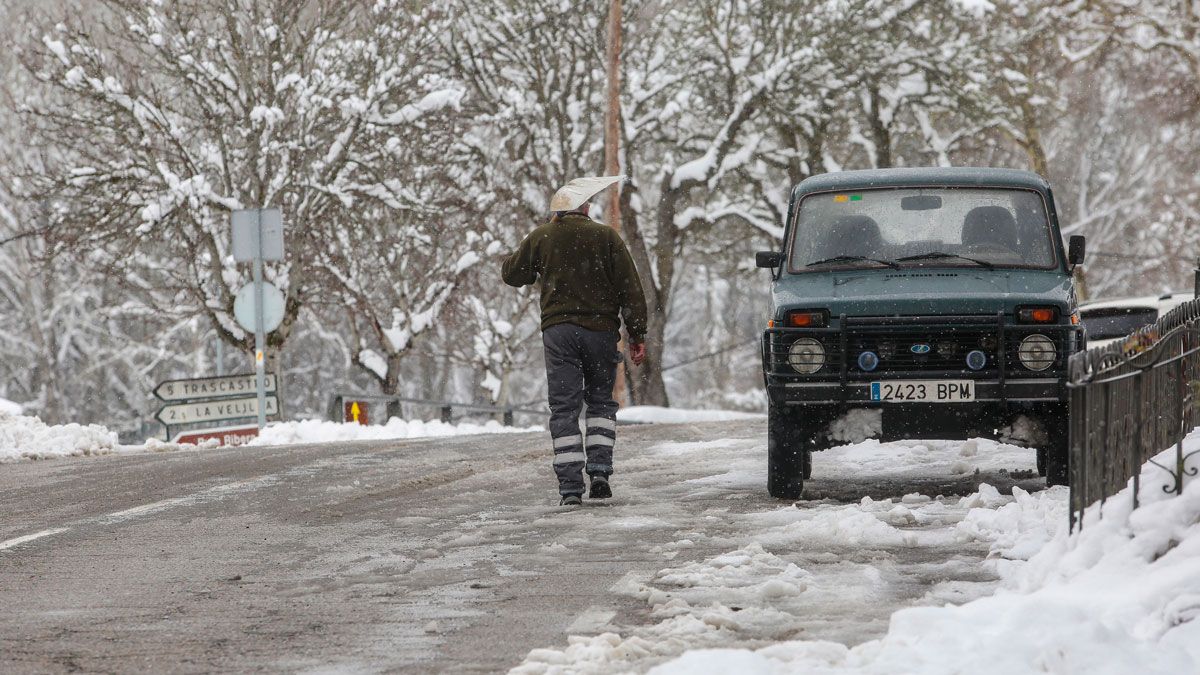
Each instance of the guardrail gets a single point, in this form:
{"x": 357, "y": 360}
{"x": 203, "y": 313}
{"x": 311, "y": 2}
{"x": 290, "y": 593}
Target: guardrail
{"x": 393, "y": 407}
{"x": 1129, "y": 401}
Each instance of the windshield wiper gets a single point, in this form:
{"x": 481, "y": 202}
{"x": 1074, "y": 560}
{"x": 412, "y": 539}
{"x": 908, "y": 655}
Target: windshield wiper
{"x": 937, "y": 255}
{"x": 854, "y": 258}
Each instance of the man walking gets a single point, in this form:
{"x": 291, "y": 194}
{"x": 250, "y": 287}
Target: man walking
{"x": 588, "y": 284}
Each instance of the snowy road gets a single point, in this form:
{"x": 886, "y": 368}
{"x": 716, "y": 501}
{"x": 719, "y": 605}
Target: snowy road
{"x": 448, "y": 554}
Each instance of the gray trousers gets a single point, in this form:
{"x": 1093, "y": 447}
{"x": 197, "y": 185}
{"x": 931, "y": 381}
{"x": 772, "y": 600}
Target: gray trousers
{"x": 581, "y": 366}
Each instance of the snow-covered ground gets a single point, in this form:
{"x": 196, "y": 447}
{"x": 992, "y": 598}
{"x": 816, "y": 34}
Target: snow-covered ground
{"x": 648, "y": 414}
{"x": 1119, "y": 597}
{"x": 23, "y": 437}
{"x": 320, "y": 431}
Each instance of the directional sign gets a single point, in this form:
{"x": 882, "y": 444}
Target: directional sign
{"x": 210, "y": 387}
{"x": 212, "y": 411}
{"x": 238, "y": 435}
{"x": 355, "y": 412}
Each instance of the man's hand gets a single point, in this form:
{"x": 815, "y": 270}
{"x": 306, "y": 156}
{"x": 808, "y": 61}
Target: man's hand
{"x": 637, "y": 353}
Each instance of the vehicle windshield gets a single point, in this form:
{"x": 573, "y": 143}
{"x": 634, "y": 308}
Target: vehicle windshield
{"x": 1115, "y": 322}
{"x": 959, "y": 227}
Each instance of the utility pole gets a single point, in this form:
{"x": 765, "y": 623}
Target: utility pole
{"x": 612, "y": 145}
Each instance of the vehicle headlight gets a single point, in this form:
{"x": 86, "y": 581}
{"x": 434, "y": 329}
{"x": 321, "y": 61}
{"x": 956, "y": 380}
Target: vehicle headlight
{"x": 807, "y": 356}
{"x": 1037, "y": 352}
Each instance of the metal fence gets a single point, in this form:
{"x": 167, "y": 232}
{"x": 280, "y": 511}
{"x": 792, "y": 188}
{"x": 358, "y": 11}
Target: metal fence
{"x": 393, "y": 406}
{"x": 1129, "y": 401}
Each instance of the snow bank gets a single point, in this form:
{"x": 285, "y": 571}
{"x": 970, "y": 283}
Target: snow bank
{"x": 320, "y": 431}
{"x": 648, "y": 414}
{"x": 1016, "y": 530}
{"x": 1120, "y": 596}
{"x": 923, "y": 458}
{"x": 30, "y": 438}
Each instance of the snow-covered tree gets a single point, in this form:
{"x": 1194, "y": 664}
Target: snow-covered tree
{"x": 174, "y": 114}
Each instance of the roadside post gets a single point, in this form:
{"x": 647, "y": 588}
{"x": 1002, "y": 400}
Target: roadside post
{"x": 258, "y": 237}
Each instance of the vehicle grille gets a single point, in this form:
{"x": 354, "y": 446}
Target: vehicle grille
{"x": 948, "y": 345}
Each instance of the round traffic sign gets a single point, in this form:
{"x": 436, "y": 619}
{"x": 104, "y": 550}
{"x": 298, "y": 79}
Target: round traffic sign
{"x": 243, "y": 307}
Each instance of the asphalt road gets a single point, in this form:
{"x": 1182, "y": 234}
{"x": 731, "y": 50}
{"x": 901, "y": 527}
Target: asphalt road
{"x": 440, "y": 555}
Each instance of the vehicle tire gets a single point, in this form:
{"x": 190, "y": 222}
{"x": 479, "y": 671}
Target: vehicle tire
{"x": 1058, "y": 456}
{"x": 793, "y": 433}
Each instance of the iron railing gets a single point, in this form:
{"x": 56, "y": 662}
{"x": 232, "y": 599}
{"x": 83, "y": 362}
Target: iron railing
{"x": 1129, "y": 401}
{"x": 394, "y": 407}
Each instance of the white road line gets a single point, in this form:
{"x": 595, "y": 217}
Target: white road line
{"x": 145, "y": 509}
{"x": 204, "y": 495}
{"x": 593, "y": 621}
{"x": 11, "y": 543}
{"x": 210, "y": 494}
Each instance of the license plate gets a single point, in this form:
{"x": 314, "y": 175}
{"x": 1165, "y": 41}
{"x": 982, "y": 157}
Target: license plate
{"x": 923, "y": 391}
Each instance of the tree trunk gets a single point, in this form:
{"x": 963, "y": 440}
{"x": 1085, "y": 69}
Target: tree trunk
{"x": 391, "y": 383}
{"x": 1033, "y": 141}
{"x": 880, "y": 134}
{"x": 646, "y": 381}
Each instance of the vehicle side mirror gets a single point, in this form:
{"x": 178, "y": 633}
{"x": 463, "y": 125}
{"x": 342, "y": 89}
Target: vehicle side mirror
{"x": 768, "y": 259}
{"x": 1076, "y": 250}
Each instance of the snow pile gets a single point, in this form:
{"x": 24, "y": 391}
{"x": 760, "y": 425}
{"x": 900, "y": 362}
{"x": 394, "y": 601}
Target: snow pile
{"x": 857, "y": 425}
{"x": 837, "y": 526}
{"x": 1121, "y": 596}
{"x": 922, "y": 458}
{"x": 648, "y": 414}
{"x": 751, "y": 570}
{"x": 320, "y": 431}
{"x": 30, "y": 438}
{"x": 1019, "y": 529}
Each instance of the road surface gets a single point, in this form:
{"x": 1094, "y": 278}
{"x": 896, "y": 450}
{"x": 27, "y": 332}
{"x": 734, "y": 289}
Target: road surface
{"x": 439, "y": 555}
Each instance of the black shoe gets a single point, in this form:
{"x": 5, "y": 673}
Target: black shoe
{"x": 600, "y": 488}
{"x": 571, "y": 500}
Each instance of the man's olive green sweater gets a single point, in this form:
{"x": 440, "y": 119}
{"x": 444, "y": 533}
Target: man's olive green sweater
{"x": 586, "y": 273}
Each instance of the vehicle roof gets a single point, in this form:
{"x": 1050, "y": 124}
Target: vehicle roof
{"x": 1163, "y": 303}
{"x": 923, "y": 177}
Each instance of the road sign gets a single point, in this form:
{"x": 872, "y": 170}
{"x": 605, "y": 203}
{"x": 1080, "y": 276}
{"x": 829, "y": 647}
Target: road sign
{"x": 355, "y": 412}
{"x": 239, "y": 435}
{"x": 273, "y": 301}
{"x": 211, "y": 387}
{"x": 246, "y": 222}
{"x": 258, "y": 236}
{"x": 214, "y": 411}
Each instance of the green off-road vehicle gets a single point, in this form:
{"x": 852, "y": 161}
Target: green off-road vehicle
{"x": 919, "y": 303}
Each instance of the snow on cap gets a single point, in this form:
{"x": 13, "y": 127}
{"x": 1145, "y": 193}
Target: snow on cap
{"x": 576, "y": 193}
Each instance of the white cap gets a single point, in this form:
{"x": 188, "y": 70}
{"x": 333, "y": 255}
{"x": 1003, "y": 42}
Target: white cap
{"x": 574, "y": 194}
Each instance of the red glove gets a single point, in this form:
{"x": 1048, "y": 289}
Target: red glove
{"x": 637, "y": 353}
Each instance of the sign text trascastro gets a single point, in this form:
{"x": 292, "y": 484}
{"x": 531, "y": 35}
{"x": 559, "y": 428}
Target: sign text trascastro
{"x": 211, "y": 387}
